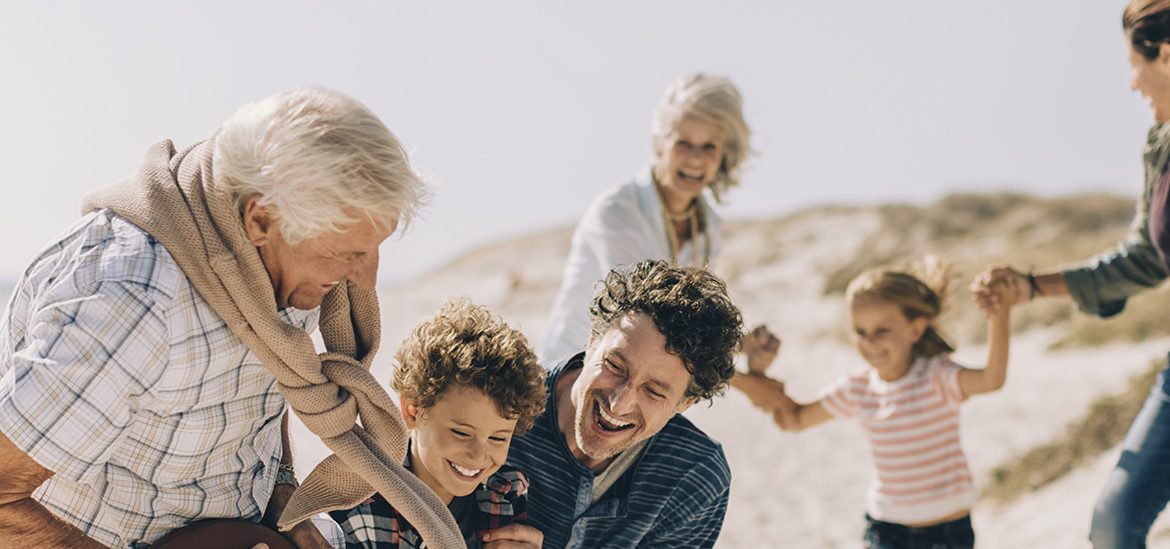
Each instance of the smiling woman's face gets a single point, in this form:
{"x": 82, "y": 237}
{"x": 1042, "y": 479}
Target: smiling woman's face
{"x": 689, "y": 157}
{"x": 1151, "y": 78}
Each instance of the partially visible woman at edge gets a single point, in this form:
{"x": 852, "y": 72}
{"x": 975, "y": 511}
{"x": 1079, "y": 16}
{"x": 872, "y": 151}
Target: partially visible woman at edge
{"x": 700, "y": 140}
{"x": 1139, "y": 487}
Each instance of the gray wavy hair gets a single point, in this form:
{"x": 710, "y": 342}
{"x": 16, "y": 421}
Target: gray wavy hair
{"x": 316, "y": 156}
{"x": 713, "y": 99}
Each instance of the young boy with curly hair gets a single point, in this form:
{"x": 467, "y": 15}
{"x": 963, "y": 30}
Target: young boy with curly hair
{"x": 467, "y": 383}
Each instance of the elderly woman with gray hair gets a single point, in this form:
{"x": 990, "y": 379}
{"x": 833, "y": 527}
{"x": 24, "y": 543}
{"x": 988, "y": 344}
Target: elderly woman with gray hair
{"x": 700, "y": 140}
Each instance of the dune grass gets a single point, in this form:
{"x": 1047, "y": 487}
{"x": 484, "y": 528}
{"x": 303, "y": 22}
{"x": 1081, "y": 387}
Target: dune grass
{"x": 1102, "y": 427}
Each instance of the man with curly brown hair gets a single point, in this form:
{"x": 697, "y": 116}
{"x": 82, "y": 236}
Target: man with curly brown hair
{"x": 612, "y": 461}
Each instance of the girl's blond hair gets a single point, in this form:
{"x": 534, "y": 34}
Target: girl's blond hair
{"x": 918, "y": 290}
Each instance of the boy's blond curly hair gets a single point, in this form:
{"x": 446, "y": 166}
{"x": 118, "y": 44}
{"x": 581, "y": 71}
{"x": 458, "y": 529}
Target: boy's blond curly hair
{"x": 465, "y": 344}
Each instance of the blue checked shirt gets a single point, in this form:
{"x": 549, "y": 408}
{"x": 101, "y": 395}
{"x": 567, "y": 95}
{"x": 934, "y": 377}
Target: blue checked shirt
{"x": 119, "y": 378}
{"x": 674, "y": 495}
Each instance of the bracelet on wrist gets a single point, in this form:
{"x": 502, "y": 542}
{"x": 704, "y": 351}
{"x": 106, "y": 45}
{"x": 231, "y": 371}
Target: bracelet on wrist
{"x": 1034, "y": 285}
{"x": 286, "y": 475}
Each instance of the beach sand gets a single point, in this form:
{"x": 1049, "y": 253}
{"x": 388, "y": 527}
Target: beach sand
{"x": 807, "y": 490}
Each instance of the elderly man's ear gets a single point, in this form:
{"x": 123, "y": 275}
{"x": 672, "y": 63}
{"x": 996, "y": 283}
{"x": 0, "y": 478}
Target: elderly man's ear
{"x": 258, "y": 222}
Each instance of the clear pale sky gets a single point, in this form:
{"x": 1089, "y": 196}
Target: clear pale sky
{"x": 521, "y": 112}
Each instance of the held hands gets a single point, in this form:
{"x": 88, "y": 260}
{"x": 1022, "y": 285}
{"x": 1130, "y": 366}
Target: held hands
{"x": 787, "y": 418}
{"x": 304, "y": 535}
{"x": 997, "y": 289}
{"x": 512, "y": 536}
{"x": 769, "y": 395}
{"x": 760, "y": 347}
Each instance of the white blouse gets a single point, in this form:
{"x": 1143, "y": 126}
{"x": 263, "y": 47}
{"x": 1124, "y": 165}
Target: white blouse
{"x": 623, "y": 226}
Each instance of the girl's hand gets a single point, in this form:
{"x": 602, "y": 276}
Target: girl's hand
{"x": 786, "y": 419}
{"x": 765, "y": 393}
{"x": 1008, "y": 294}
{"x": 760, "y": 347}
{"x": 1005, "y": 295}
{"x": 989, "y": 299}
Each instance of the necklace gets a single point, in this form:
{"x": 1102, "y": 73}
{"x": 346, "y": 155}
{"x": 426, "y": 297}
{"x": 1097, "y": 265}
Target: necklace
{"x": 687, "y": 213}
{"x": 692, "y": 215}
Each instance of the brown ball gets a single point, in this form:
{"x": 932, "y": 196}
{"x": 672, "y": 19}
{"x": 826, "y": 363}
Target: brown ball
{"x": 223, "y": 534}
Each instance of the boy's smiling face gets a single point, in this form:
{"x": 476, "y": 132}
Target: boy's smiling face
{"x": 459, "y": 441}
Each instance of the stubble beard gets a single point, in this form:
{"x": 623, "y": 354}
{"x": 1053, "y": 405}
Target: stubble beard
{"x": 582, "y": 425}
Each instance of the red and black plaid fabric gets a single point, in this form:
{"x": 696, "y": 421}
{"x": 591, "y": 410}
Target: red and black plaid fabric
{"x": 500, "y": 501}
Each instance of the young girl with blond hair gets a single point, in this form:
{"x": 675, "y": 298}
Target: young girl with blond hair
{"x": 907, "y": 400}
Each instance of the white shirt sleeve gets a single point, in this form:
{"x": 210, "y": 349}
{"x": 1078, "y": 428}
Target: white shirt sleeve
{"x": 612, "y": 232}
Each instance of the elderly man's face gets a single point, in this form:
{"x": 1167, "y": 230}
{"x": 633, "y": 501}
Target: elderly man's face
{"x": 627, "y": 390}
{"x": 301, "y": 275}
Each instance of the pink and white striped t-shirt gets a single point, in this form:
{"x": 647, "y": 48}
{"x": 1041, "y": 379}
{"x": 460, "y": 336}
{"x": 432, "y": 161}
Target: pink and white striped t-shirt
{"x": 919, "y": 471}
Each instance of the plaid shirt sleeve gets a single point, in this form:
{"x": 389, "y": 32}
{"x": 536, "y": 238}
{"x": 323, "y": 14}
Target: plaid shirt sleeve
{"x": 502, "y": 499}
{"x": 66, "y": 396}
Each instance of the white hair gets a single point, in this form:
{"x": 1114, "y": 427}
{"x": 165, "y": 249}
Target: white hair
{"x": 316, "y": 156}
{"x": 714, "y": 99}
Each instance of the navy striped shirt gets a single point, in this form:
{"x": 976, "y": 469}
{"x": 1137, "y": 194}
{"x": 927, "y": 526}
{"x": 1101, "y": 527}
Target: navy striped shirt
{"x": 674, "y": 495}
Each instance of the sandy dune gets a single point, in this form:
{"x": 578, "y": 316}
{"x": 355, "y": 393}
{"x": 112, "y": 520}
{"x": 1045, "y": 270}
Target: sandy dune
{"x": 807, "y": 489}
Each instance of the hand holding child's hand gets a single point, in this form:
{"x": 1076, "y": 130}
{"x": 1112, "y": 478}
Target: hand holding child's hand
{"x": 1000, "y": 287}
{"x": 786, "y": 418}
{"x": 760, "y": 347}
{"x": 1009, "y": 293}
{"x": 765, "y": 393}
{"x": 517, "y": 536}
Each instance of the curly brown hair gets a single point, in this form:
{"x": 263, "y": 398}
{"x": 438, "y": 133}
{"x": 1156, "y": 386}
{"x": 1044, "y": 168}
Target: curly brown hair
{"x": 689, "y": 306}
{"x": 464, "y": 344}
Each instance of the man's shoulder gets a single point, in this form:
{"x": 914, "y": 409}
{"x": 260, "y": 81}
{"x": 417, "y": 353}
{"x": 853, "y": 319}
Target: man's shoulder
{"x": 103, "y": 248}
{"x": 688, "y": 448}
{"x": 680, "y": 434}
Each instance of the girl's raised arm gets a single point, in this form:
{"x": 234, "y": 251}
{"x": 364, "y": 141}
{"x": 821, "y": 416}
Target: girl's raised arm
{"x": 998, "y": 310}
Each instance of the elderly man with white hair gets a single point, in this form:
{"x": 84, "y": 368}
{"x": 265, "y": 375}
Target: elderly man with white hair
{"x": 147, "y": 355}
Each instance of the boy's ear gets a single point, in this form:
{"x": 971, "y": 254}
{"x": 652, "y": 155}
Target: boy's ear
{"x": 409, "y": 411}
{"x": 687, "y": 402}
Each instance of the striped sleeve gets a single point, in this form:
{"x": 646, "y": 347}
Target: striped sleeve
{"x": 945, "y": 378}
{"x": 838, "y": 399}
{"x": 66, "y": 399}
